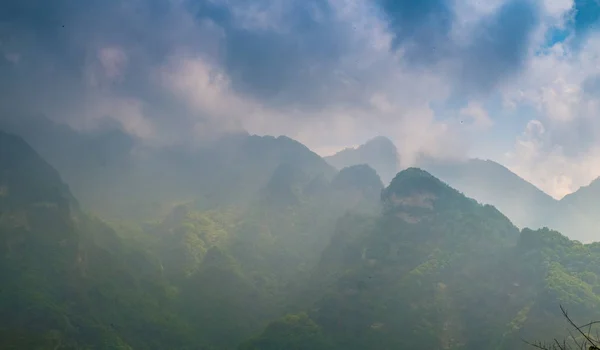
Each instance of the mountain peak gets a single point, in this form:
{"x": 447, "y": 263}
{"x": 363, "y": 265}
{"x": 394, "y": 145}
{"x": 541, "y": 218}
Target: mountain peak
{"x": 414, "y": 180}
{"x": 380, "y": 153}
{"x": 380, "y": 141}
{"x": 26, "y": 178}
{"x": 360, "y": 176}
{"x": 419, "y": 192}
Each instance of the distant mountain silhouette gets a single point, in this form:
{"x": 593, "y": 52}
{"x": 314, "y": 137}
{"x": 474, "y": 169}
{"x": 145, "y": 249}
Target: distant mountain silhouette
{"x": 380, "y": 153}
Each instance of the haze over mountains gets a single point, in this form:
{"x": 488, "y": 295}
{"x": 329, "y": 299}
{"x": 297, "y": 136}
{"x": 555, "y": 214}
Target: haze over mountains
{"x": 115, "y": 174}
{"x": 491, "y": 183}
{"x": 380, "y": 153}
{"x": 261, "y": 245}
{"x": 164, "y": 185}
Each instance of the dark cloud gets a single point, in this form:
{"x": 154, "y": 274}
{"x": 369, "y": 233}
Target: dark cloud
{"x": 500, "y": 45}
{"x": 282, "y": 54}
{"x": 58, "y": 44}
{"x": 293, "y": 63}
{"x": 420, "y": 28}
{"x": 495, "y": 49}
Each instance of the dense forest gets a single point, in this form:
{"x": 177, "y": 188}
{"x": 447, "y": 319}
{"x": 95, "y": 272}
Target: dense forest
{"x": 257, "y": 243}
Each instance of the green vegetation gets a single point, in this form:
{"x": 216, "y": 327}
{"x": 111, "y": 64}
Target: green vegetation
{"x": 293, "y": 332}
{"x": 284, "y": 253}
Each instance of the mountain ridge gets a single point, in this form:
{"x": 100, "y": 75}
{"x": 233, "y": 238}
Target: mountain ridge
{"x": 379, "y": 152}
{"x": 492, "y": 183}
{"x": 354, "y": 264}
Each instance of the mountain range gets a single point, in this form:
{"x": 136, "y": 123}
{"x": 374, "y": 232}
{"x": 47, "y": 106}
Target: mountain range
{"x": 118, "y": 177}
{"x": 260, "y": 244}
{"x": 489, "y": 182}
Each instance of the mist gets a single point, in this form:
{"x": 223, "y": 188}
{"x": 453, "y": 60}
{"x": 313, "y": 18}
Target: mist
{"x": 314, "y": 175}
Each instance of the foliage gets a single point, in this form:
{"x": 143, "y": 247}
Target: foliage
{"x": 292, "y": 332}
{"x": 352, "y": 265}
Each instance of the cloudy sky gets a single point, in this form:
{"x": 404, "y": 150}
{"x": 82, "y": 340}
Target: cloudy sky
{"x": 517, "y": 81}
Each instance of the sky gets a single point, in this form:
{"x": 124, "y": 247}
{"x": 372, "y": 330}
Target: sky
{"x": 516, "y": 81}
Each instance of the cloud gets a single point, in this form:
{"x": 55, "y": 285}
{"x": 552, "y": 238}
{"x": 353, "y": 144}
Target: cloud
{"x": 560, "y": 84}
{"x": 421, "y": 28}
{"x": 478, "y": 52}
{"x": 330, "y": 73}
{"x": 478, "y": 116}
{"x": 501, "y": 46}
{"x": 545, "y": 163}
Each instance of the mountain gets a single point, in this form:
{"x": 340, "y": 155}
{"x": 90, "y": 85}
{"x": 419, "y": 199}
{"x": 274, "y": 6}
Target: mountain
{"x": 27, "y": 179}
{"x": 359, "y": 177}
{"x": 585, "y": 197}
{"x": 121, "y": 177}
{"x": 286, "y": 185}
{"x": 438, "y": 270}
{"x": 584, "y": 210}
{"x": 68, "y": 281}
{"x": 272, "y": 243}
{"x": 358, "y": 189}
{"x": 401, "y": 263}
{"x": 293, "y": 332}
{"x": 309, "y": 259}
{"x": 525, "y": 205}
{"x": 491, "y": 183}
{"x": 380, "y": 153}
{"x": 484, "y": 180}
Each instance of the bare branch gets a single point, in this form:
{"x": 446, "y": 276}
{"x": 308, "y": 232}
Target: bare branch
{"x": 588, "y": 343}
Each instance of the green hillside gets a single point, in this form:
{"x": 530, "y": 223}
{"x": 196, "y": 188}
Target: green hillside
{"x": 307, "y": 260}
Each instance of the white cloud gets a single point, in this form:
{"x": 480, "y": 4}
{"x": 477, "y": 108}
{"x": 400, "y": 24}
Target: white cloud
{"x": 557, "y": 8}
{"x": 172, "y": 74}
{"x": 478, "y": 115}
{"x": 546, "y": 165}
{"x": 204, "y": 87}
{"x": 128, "y": 112}
{"x": 391, "y": 99}
{"x": 560, "y": 151}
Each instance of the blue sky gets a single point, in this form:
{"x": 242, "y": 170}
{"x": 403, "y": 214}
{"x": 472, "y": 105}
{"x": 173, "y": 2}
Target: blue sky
{"x": 510, "y": 80}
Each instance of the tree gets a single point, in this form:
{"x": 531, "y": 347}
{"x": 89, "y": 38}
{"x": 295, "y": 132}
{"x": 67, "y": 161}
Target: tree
{"x": 581, "y": 338}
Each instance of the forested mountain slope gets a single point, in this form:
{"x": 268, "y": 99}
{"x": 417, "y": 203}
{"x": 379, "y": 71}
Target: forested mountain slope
{"x": 491, "y": 183}
{"x": 308, "y": 260}
{"x": 68, "y": 282}
{"x": 438, "y": 270}
{"x": 522, "y": 202}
